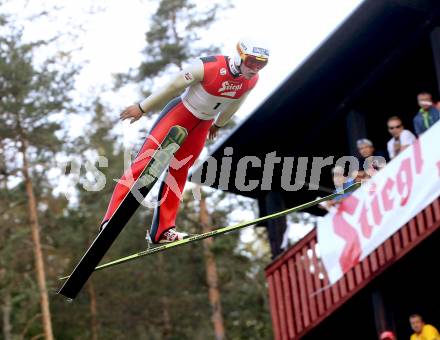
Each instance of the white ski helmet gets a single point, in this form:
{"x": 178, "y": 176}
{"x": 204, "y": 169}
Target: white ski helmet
{"x": 252, "y": 54}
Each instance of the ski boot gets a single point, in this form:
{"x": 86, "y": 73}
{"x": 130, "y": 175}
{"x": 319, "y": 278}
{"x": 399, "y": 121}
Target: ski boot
{"x": 171, "y": 235}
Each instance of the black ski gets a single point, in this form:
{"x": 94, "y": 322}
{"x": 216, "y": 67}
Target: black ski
{"x": 149, "y": 176}
{"x": 220, "y": 231}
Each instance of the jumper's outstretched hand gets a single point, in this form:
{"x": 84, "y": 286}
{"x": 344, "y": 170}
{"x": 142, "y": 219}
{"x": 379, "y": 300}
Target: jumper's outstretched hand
{"x": 133, "y": 112}
{"x": 213, "y": 132}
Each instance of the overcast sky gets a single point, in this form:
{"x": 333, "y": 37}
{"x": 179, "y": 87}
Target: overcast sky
{"x": 115, "y": 35}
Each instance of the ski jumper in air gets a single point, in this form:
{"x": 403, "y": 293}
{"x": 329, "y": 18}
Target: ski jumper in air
{"x": 201, "y": 98}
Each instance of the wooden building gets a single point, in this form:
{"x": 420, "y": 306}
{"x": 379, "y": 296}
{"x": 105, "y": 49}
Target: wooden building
{"x": 372, "y": 67}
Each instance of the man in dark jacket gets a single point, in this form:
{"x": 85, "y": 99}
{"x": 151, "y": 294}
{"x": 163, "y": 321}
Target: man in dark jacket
{"x": 427, "y": 115}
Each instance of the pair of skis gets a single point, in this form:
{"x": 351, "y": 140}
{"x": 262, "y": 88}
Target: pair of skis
{"x": 89, "y": 263}
{"x": 223, "y": 230}
{"x": 159, "y": 161}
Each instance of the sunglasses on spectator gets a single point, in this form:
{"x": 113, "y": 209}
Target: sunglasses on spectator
{"x": 394, "y": 127}
{"x": 425, "y": 102}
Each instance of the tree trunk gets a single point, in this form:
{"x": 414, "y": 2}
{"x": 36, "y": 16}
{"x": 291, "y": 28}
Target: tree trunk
{"x": 167, "y": 329}
{"x": 211, "y": 274}
{"x": 38, "y": 253}
{"x": 6, "y": 311}
{"x": 177, "y": 39}
{"x": 93, "y": 310}
{"x": 166, "y": 319}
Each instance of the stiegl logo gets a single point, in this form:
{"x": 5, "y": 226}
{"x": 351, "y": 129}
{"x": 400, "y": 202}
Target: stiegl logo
{"x": 229, "y": 89}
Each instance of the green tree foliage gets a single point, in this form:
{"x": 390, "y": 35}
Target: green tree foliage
{"x": 170, "y": 43}
{"x": 80, "y": 224}
{"x": 174, "y": 29}
{"x": 159, "y": 297}
{"x": 29, "y": 96}
{"x": 240, "y": 267}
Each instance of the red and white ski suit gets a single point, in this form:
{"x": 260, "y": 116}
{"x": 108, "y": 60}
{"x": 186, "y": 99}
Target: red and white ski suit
{"x": 219, "y": 93}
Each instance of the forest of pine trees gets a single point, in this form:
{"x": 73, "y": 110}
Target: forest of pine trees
{"x": 207, "y": 290}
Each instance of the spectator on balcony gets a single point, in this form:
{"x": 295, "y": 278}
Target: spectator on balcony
{"x": 401, "y": 138}
{"x": 387, "y": 335}
{"x": 370, "y": 160}
{"x": 427, "y": 115}
{"x": 421, "y": 330}
{"x": 341, "y": 182}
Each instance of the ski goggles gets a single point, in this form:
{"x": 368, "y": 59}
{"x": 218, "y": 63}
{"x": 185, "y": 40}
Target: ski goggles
{"x": 253, "y": 62}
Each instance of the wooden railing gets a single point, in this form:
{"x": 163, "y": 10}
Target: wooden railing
{"x": 299, "y": 291}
